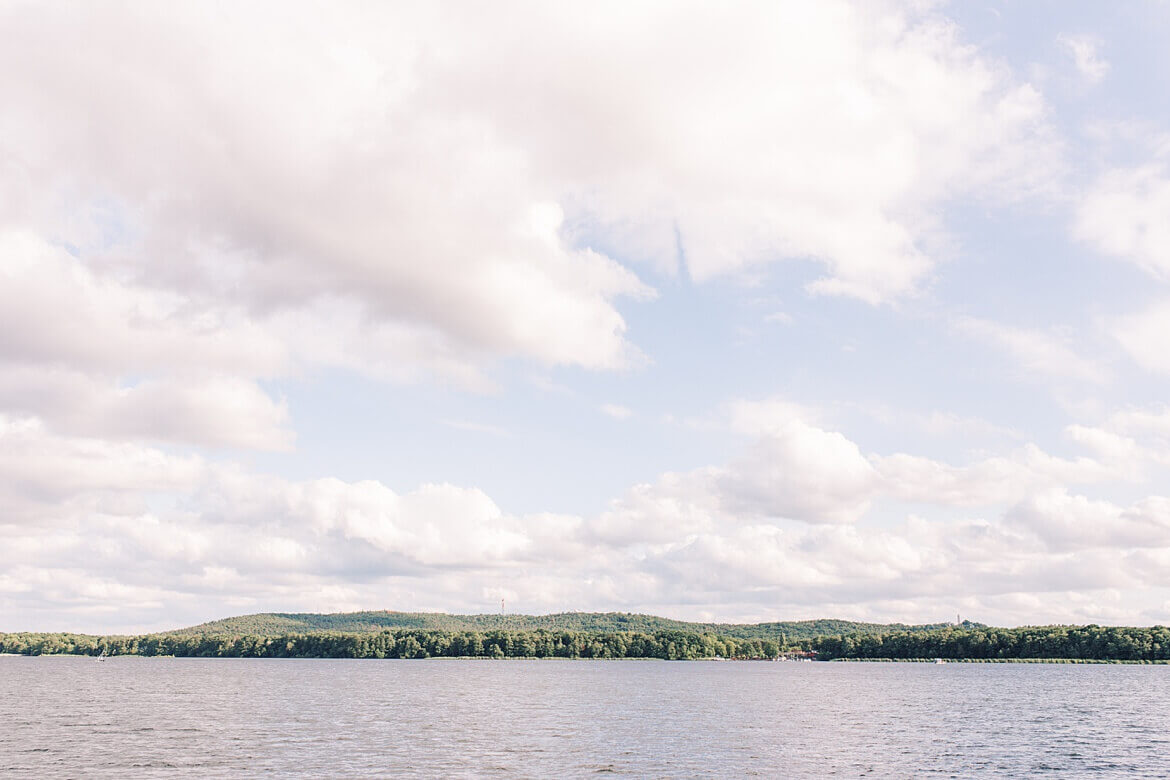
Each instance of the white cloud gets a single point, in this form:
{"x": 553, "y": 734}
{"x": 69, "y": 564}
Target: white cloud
{"x": 768, "y": 417}
{"x": 476, "y": 427}
{"x": 674, "y": 508}
{"x": 216, "y": 410}
{"x": 1109, "y": 446}
{"x": 801, "y": 472}
{"x": 796, "y": 471}
{"x": 1132, "y": 442}
{"x": 939, "y": 423}
{"x": 1153, "y": 421}
{"x": 987, "y": 482}
{"x": 102, "y": 357}
{"x": 1084, "y": 52}
{"x": 1123, "y": 214}
{"x": 39, "y": 468}
{"x": 780, "y": 317}
{"x": 55, "y": 310}
{"x": 1143, "y": 336}
{"x": 617, "y": 411}
{"x": 1039, "y": 352}
{"x": 1067, "y": 521}
{"x": 936, "y": 423}
{"x": 839, "y": 165}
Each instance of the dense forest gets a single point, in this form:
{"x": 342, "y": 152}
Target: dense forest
{"x": 600, "y": 635}
{"x": 1056, "y": 642}
{"x": 403, "y": 643}
{"x": 273, "y": 624}
{"x": 978, "y": 643}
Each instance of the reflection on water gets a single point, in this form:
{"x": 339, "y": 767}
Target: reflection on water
{"x": 157, "y": 717}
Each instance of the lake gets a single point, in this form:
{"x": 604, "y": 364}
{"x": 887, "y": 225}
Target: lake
{"x": 169, "y": 717}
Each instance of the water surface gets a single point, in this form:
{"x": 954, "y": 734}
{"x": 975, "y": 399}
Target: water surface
{"x": 172, "y": 717}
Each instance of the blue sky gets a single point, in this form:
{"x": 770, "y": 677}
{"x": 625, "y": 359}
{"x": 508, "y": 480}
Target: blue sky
{"x": 736, "y": 312}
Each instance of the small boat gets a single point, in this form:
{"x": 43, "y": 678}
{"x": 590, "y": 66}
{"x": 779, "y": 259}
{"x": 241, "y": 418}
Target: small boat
{"x": 103, "y": 656}
{"x": 939, "y": 661}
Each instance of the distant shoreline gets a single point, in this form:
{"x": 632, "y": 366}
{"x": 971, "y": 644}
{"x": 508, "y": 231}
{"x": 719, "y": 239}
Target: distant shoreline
{"x": 1051, "y": 644}
{"x": 603, "y": 635}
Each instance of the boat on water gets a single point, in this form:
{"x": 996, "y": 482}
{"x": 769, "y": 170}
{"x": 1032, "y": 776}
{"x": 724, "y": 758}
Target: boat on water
{"x": 939, "y": 661}
{"x": 103, "y": 656}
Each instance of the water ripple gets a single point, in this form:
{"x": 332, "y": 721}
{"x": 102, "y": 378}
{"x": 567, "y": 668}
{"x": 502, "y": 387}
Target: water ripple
{"x": 345, "y": 718}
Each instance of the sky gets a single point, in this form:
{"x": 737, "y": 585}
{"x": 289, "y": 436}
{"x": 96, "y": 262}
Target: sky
{"x": 718, "y": 311}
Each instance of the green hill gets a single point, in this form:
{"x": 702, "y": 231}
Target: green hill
{"x": 270, "y": 624}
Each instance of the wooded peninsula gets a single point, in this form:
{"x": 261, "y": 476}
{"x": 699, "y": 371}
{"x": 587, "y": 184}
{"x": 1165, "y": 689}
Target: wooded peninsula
{"x": 602, "y": 635}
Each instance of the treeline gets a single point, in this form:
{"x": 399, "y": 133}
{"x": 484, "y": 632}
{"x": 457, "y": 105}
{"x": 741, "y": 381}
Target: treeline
{"x": 667, "y": 645}
{"x": 1103, "y": 643}
{"x": 283, "y": 623}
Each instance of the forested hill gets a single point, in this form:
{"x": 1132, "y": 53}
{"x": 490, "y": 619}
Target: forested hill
{"x": 278, "y": 624}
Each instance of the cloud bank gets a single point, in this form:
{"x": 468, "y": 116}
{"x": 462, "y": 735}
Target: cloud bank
{"x": 134, "y": 531}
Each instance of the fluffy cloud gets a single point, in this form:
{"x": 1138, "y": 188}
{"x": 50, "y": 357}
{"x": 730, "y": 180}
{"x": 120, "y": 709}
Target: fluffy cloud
{"x": 1123, "y": 213}
{"x": 216, "y": 410}
{"x": 1065, "y": 521}
{"x": 1143, "y": 336}
{"x": 706, "y": 534}
{"x": 798, "y": 470}
{"x": 617, "y": 411}
{"x": 57, "y": 311}
{"x": 99, "y": 356}
{"x": 1138, "y": 421}
{"x": 1083, "y": 50}
{"x": 1036, "y": 351}
{"x": 42, "y": 472}
{"x": 758, "y": 132}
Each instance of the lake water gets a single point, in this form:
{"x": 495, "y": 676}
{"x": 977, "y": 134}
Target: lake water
{"x": 166, "y": 717}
